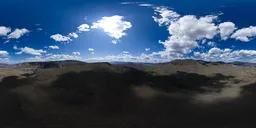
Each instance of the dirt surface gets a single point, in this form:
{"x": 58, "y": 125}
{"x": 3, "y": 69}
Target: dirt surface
{"x": 103, "y": 95}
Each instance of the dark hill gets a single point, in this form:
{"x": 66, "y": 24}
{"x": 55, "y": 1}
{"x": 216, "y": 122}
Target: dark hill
{"x": 52, "y": 64}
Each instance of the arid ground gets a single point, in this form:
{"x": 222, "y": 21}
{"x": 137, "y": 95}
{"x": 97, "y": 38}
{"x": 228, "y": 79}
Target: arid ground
{"x": 182, "y": 93}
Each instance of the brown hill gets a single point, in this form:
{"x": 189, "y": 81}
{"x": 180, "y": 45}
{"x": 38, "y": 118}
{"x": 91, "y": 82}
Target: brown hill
{"x": 182, "y": 93}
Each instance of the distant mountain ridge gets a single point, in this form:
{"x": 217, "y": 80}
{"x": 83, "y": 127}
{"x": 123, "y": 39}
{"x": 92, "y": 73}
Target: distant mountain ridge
{"x": 245, "y": 64}
{"x": 67, "y": 63}
{"x": 52, "y": 64}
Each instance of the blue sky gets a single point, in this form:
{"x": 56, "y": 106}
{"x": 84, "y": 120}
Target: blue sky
{"x": 130, "y": 31}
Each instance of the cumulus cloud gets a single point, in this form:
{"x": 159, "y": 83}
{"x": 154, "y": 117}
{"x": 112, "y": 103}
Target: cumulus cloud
{"x": 31, "y": 51}
{"x": 3, "y": 53}
{"x": 83, "y": 28}
{"x": 17, "y": 33}
{"x": 39, "y": 29}
{"x": 90, "y": 49}
{"x": 166, "y": 16}
{"x": 147, "y": 49}
{"x": 226, "y": 29}
{"x": 4, "y": 60}
{"x": 193, "y": 27}
{"x": 61, "y": 38}
{"x": 226, "y": 54}
{"x": 4, "y": 30}
{"x": 15, "y": 47}
{"x": 185, "y": 31}
{"x": 74, "y": 35}
{"x": 111, "y": 58}
{"x": 203, "y": 41}
{"x": 245, "y": 34}
{"x": 212, "y": 44}
{"x": 214, "y": 52}
{"x": 126, "y": 52}
{"x": 114, "y": 41}
{"x": 76, "y": 53}
{"x": 253, "y": 60}
{"x": 54, "y": 47}
{"x": 244, "y": 53}
{"x": 114, "y": 26}
{"x": 54, "y": 57}
{"x": 143, "y": 58}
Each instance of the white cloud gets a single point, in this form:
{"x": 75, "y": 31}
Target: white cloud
{"x": 49, "y": 54}
{"x": 194, "y": 28}
{"x": 4, "y": 30}
{"x": 83, "y": 28}
{"x": 137, "y": 3}
{"x": 15, "y": 47}
{"x": 54, "y": 57}
{"x": 147, "y": 49}
{"x": 212, "y": 44}
{"x": 166, "y": 16}
{"x": 74, "y": 35}
{"x": 31, "y": 51}
{"x": 17, "y": 33}
{"x": 114, "y": 26}
{"x": 226, "y": 29}
{"x": 253, "y": 60}
{"x": 114, "y": 41}
{"x": 129, "y": 2}
{"x": 203, "y": 41}
{"x": 126, "y": 52}
{"x": 245, "y": 34}
{"x": 3, "y": 53}
{"x": 146, "y": 5}
{"x": 244, "y": 53}
{"x": 176, "y": 46}
{"x": 226, "y": 54}
{"x": 54, "y": 47}
{"x": 3, "y": 57}
{"x": 215, "y": 52}
{"x": 7, "y": 41}
{"x": 91, "y": 49}
{"x": 76, "y": 53}
{"x": 61, "y": 38}
{"x": 143, "y": 58}
{"x": 39, "y": 29}
{"x": 197, "y": 54}
{"x": 4, "y": 60}
{"x": 185, "y": 31}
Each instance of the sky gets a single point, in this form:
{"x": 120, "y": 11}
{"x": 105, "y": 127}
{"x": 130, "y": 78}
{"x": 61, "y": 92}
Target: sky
{"x": 152, "y": 31}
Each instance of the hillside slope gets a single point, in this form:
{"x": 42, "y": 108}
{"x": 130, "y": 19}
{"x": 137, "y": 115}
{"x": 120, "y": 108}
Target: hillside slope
{"x": 182, "y": 93}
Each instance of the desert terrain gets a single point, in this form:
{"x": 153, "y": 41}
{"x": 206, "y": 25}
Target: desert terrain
{"x": 181, "y": 93}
